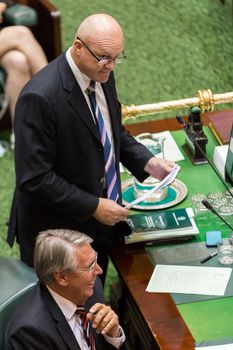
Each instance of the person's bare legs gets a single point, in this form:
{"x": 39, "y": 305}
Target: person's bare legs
{"x": 20, "y": 38}
{"x": 21, "y": 56}
{"x": 18, "y": 71}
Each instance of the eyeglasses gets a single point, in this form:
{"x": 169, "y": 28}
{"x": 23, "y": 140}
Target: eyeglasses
{"x": 91, "y": 267}
{"x": 105, "y": 59}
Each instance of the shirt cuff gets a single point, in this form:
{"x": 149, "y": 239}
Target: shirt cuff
{"x": 118, "y": 341}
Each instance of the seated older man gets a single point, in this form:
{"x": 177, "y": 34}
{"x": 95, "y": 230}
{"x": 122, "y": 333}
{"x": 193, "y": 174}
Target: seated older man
{"x": 59, "y": 313}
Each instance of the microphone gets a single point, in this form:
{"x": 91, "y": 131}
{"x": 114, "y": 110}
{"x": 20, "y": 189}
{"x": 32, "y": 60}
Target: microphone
{"x": 182, "y": 122}
{"x": 209, "y": 207}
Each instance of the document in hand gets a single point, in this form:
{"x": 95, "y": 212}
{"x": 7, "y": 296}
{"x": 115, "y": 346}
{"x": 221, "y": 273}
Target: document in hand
{"x": 165, "y": 182}
{"x": 162, "y": 225}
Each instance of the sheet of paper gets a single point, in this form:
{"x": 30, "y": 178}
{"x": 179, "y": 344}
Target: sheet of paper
{"x": 189, "y": 279}
{"x": 216, "y": 347}
{"x": 171, "y": 150}
{"x": 165, "y": 182}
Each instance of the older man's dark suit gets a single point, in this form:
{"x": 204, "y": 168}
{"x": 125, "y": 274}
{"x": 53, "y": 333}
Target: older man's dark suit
{"x": 59, "y": 158}
{"x": 39, "y": 323}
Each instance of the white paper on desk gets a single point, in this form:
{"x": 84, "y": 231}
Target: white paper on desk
{"x": 171, "y": 150}
{"x": 216, "y": 347}
{"x": 165, "y": 182}
{"x": 189, "y": 279}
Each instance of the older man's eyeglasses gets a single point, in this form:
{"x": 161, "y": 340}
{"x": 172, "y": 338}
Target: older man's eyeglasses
{"x": 89, "y": 268}
{"x": 105, "y": 59}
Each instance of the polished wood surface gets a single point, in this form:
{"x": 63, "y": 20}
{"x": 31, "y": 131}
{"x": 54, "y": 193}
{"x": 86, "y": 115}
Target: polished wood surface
{"x": 158, "y": 310}
{"x": 162, "y": 124}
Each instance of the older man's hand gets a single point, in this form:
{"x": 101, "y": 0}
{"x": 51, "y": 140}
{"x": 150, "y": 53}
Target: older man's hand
{"x": 104, "y": 320}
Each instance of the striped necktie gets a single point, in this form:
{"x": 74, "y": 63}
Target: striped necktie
{"x": 109, "y": 157}
{"x": 87, "y": 330}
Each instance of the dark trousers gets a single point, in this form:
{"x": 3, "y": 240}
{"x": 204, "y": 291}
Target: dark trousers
{"x": 103, "y": 260}
{"x": 103, "y": 247}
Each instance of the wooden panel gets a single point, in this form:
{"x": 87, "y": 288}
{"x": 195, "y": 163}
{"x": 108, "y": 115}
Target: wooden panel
{"x": 161, "y": 125}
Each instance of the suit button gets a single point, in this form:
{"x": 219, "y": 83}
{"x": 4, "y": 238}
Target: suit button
{"x": 101, "y": 180}
{"x": 99, "y": 148}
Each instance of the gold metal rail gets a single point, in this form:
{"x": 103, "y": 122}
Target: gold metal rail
{"x": 204, "y": 99}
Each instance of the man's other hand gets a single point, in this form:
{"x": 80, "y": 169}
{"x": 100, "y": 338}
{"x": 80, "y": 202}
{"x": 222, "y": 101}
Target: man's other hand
{"x": 109, "y": 212}
{"x": 159, "y": 168}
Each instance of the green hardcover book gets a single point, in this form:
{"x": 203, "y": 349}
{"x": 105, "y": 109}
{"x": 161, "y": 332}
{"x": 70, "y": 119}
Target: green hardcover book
{"x": 162, "y": 225}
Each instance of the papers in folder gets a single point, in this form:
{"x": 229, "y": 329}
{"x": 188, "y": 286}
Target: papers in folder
{"x": 165, "y": 182}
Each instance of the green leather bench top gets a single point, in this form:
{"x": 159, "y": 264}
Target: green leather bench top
{"x": 14, "y": 276}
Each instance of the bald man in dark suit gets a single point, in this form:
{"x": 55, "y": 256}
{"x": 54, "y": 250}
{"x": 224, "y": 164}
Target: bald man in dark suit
{"x": 59, "y": 154}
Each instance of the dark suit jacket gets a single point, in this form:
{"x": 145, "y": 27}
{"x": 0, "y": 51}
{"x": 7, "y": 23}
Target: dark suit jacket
{"x": 59, "y": 157}
{"x": 39, "y": 324}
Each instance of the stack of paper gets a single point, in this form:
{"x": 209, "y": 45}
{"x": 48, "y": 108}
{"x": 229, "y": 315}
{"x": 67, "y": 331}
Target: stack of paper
{"x": 162, "y": 225}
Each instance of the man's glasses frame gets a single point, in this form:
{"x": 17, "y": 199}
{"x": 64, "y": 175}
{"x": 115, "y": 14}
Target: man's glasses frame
{"x": 105, "y": 59}
{"x": 90, "y": 268}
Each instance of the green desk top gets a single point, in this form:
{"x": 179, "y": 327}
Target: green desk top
{"x": 212, "y": 319}
{"x": 209, "y": 320}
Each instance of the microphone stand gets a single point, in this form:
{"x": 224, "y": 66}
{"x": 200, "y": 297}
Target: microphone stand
{"x": 182, "y": 122}
{"x": 209, "y": 207}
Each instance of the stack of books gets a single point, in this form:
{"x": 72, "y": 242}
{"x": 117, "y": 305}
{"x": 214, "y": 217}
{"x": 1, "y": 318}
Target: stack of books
{"x": 163, "y": 225}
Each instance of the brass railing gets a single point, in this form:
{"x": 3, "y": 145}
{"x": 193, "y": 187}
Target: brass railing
{"x": 204, "y": 99}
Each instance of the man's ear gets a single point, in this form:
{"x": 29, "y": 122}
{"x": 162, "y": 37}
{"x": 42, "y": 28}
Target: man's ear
{"x": 61, "y": 278}
{"x": 77, "y": 47}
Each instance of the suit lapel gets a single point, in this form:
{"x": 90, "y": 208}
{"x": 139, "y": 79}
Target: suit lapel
{"x": 60, "y": 320}
{"x": 75, "y": 96}
{"x": 78, "y": 102}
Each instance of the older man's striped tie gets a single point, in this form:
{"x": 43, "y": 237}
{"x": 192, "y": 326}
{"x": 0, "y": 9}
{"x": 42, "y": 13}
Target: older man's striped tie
{"x": 109, "y": 157}
{"x": 87, "y": 330}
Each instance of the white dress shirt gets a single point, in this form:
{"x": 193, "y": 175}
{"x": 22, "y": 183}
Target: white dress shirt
{"x": 69, "y": 310}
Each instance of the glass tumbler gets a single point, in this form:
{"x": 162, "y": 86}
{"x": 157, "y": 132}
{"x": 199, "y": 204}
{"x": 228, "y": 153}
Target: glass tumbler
{"x": 225, "y": 251}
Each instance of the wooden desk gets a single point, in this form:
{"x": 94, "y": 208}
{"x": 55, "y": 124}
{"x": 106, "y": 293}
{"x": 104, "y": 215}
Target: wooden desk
{"x": 153, "y": 316}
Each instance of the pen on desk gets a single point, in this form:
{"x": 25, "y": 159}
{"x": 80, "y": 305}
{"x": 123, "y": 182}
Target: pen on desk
{"x": 208, "y": 257}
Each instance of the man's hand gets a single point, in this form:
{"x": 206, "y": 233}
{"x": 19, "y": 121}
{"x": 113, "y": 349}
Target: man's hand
{"x": 109, "y": 212}
{"x": 159, "y": 168}
{"x": 104, "y": 320}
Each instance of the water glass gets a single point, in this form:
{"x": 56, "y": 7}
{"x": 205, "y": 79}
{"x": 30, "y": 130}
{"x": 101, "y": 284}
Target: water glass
{"x": 153, "y": 143}
{"x": 225, "y": 251}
